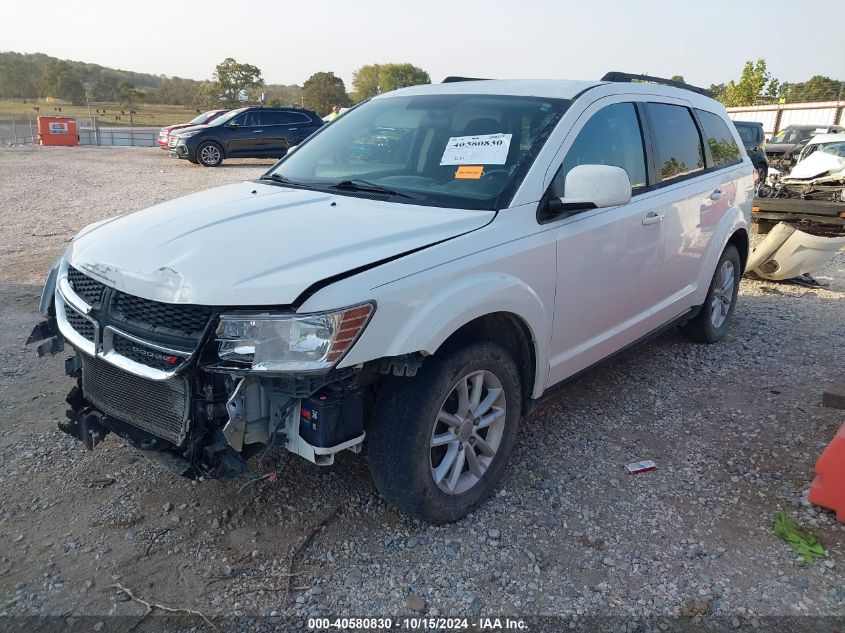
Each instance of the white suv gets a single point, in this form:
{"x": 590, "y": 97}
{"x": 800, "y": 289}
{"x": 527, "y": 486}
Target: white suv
{"x": 413, "y": 277}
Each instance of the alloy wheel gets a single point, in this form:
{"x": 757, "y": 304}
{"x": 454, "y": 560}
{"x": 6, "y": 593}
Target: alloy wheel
{"x": 468, "y": 431}
{"x": 210, "y": 155}
{"x": 723, "y": 294}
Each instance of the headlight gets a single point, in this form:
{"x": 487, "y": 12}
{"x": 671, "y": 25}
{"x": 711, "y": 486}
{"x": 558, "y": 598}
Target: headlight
{"x": 290, "y": 342}
{"x": 188, "y": 134}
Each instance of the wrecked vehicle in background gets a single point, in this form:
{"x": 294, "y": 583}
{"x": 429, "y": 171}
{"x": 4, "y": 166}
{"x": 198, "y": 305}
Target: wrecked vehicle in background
{"x": 783, "y": 148}
{"x": 812, "y": 194}
{"x": 422, "y": 297}
{"x": 811, "y": 197}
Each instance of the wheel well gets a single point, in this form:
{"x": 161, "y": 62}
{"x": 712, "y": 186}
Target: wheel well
{"x": 509, "y": 331}
{"x": 740, "y": 240}
{"x": 213, "y": 142}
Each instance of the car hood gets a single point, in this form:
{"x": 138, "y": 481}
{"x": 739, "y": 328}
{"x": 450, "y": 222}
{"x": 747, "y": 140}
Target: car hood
{"x": 177, "y": 126}
{"x": 191, "y": 128}
{"x": 255, "y": 244}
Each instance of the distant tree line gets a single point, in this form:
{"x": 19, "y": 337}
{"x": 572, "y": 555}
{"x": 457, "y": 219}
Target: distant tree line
{"x": 34, "y": 76}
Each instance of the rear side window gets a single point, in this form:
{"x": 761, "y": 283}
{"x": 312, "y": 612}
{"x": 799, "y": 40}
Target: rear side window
{"x": 612, "y": 136}
{"x": 748, "y": 134}
{"x": 679, "y": 150}
{"x": 723, "y": 148}
{"x": 285, "y": 118}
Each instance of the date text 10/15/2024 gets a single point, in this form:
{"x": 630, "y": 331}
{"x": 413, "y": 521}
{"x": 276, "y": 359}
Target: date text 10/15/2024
{"x": 417, "y": 624}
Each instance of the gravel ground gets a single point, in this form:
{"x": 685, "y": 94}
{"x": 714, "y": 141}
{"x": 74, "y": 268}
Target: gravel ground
{"x": 735, "y": 429}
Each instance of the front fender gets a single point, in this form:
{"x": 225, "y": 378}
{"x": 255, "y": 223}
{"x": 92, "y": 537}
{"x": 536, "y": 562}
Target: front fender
{"x": 476, "y": 295}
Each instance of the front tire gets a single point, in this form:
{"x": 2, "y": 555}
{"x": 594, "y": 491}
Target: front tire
{"x": 714, "y": 318}
{"x": 439, "y": 442}
{"x": 209, "y": 154}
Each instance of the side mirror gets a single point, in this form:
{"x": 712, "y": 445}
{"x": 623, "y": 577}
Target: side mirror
{"x": 597, "y": 186}
{"x": 292, "y": 148}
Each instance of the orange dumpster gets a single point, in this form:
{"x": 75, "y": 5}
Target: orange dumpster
{"x": 828, "y": 489}
{"x": 57, "y": 130}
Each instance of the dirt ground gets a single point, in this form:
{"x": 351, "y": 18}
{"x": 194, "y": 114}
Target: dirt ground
{"x": 735, "y": 429}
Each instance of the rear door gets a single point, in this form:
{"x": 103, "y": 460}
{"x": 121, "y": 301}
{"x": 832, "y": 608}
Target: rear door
{"x": 696, "y": 190}
{"x": 292, "y": 128}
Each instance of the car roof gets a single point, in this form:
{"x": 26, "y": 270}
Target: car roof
{"x": 814, "y": 127}
{"x": 548, "y": 88}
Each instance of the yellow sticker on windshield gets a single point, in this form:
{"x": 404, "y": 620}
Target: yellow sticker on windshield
{"x": 470, "y": 172}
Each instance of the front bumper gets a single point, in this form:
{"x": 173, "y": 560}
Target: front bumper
{"x": 161, "y": 397}
{"x": 178, "y": 150}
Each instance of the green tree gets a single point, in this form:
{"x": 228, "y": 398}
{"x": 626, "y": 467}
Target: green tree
{"x": 754, "y": 82}
{"x": 817, "y": 88}
{"x": 16, "y": 80}
{"x": 106, "y": 88}
{"x": 231, "y": 79}
{"x": 177, "y": 91}
{"x": 678, "y": 78}
{"x": 60, "y": 81}
{"x": 373, "y": 79}
{"x": 322, "y": 91}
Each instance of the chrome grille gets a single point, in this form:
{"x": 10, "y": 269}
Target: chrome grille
{"x": 81, "y": 324}
{"x": 89, "y": 289}
{"x": 159, "y": 407}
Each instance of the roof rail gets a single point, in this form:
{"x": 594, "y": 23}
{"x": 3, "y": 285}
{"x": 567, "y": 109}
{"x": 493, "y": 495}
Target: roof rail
{"x": 452, "y": 80}
{"x": 628, "y": 78}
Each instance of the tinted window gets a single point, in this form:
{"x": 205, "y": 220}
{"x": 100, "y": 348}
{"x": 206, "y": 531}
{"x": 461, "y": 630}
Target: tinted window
{"x": 611, "y": 137}
{"x": 748, "y": 134}
{"x": 285, "y": 118}
{"x": 679, "y": 150}
{"x": 722, "y": 145}
{"x": 251, "y": 119}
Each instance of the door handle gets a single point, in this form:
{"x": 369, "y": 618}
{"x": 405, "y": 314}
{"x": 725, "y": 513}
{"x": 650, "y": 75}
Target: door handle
{"x": 257, "y": 131}
{"x": 653, "y": 218}
{"x": 716, "y": 195}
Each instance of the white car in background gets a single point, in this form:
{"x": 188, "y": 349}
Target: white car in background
{"x": 421, "y": 295}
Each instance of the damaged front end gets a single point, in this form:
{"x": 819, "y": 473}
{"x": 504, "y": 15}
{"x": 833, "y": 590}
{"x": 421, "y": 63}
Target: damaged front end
{"x": 208, "y": 386}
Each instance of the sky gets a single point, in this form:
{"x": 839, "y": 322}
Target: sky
{"x": 706, "y": 41}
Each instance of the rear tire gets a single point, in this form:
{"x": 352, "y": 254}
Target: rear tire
{"x": 425, "y": 453}
{"x": 209, "y": 154}
{"x": 714, "y": 318}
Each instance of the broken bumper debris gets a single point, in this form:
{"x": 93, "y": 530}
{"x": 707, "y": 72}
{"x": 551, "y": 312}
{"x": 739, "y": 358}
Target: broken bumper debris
{"x": 787, "y": 253}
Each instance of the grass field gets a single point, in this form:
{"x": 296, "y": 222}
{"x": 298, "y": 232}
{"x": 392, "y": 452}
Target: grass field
{"x": 147, "y": 114}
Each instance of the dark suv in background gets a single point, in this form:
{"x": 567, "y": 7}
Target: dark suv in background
{"x": 245, "y": 133}
{"x": 754, "y": 140}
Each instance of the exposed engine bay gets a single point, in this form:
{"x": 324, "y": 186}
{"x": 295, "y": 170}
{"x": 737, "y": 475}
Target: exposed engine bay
{"x": 819, "y": 173}
{"x": 145, "y": 371}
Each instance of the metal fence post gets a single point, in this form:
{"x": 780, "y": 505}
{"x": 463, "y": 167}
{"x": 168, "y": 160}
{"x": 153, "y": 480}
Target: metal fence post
{"x": 14, "y": 130}
{"x": 31, "y": 131}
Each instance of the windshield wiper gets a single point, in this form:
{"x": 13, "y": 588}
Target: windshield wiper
{"x": 284, "y": 180}
{"x": 356, "y": 184}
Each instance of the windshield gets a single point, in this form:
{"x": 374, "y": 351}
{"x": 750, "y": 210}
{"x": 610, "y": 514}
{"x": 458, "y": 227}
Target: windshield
{"x": 792, "y": 135}
{"x": 228, "y": 116}
{"x": 204, "y": 117}
{"x": 464, "y": 151}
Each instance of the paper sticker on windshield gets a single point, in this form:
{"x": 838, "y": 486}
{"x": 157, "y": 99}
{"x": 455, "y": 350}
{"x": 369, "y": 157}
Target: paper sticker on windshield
{"x": 485, "y": 149}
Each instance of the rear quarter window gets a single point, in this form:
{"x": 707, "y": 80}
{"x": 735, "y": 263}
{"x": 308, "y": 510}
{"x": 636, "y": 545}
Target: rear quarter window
{"x": 679, "y": 149}
{"x": 722, "y": 145}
